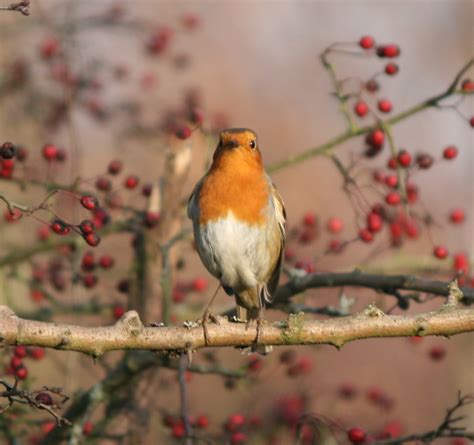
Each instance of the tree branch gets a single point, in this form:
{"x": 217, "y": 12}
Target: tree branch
{"x": 383, "y": 283}
{"x": 129, "y": 332}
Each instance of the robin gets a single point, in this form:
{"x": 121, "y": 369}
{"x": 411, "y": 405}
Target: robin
{"x": 239, "y": 224}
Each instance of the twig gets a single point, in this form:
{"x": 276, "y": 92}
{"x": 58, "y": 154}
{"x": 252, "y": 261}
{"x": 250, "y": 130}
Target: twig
{"x": 23, "y": 7}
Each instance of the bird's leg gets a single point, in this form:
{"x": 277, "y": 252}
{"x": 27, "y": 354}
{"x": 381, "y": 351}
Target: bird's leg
{"x": 206, "y": 316}
{"x": 259, "y": 326}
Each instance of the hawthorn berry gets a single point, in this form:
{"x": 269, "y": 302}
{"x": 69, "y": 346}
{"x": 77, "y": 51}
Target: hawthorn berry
{"x": 234, "y": 422}
{"x": 89, "y": 280}
{"x": 440, "y": 252}
{"x": 36, "y": 353}
{"x": 199, "y": 284}
{"x": 376, "y": 138}
{"x": 238, "y": 438}
{"x": 147, "y": 189}
{"x": 183, "y": 132}
{"x": 393, "y": 198}
{"x": 88, "y": 261}
{"x": 467, "y": 85}
{"x": 86, "y": 227}
{"x": 89, "y": 202}
{"x": 21, "y": 153}
{"x": 254, "y": 364}
{"x": 424, "y": 161}
{"x": 131, "y": 181}
{"x": 178, "y": 294}
{"x": 60, "y": 227}
{"x": 390, "y": 50}
{"x": 366, "y": 235}
{"x": 13, "y": 215}
{"x": 44, "y": 398}
{"x": 21, "y": 373}
{"x": 356, "y": 435}
{"x": 374, "y": 222}
{"x": 92, "y": 239}
{"x": 152, "y": 219}
{"x": 457, "y": 216}
{"x": 367, "y": 42}
{"x": 49, "y": 47}
{"x": 361, "y": 108}
{"x": 202, "y": 421}
{"x": 48, "y": 426}
{"x": 49, "y": 152}
{"x": 471, "y": 121}
{"x": 115, "y": 167}
{"x": 309, "y": 219}
{"x": 106, "y": 261}
{"x": 404, "y": 158}
{"x": 391, "y": 180}
{"x": 118, "y": 310}
{"x": 372, "y": 86}
{"x": 412, "y": 192}
{"x": 461, "y": 263}
{"x": 437, "y": 353}
{"x": 103, "y": 184}
{"x": 391, "y": 69}
{"x": 335, "y": 225}
{"x": 7, "y": 150}
{"x": 16, "y": 362}
{"x": 384, "y": 105}
{"x": 450, "y": 152}
{"x": 87, "y": 428}
{"x": 159, "y": 40}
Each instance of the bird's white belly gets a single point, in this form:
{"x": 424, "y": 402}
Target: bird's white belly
{"x": 234, "y": 252}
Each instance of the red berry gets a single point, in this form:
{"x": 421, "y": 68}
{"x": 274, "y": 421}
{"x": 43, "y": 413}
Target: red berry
{"x": 376, "y": 138}
{"x": 89, "y": 202}
{"x": 147, "y": 189}
{"x": 103, "y": 184}
{"x": 131, "y": 181}
{"x": 48, "y": 426}
{"x": 159, "y": 40}
{"x": 361, "y": 108}
{"x": 178, "y": 430}
{"x": 92, "y": 239}
{"x": 19, "y": 351}
{"x": 60, "y": 227}
{"x": 12, "y": 216}
{"x": 424, "y": 161}
{"x": 196, "y": 116}
{"x": 437, "y": 353}
{"x": 89, "y": 280}
{"x": 16, "y": 362}
{"x": 374, "y": 222}
{"x": 412, "y": 193}
{"x": 235, "y": 422}
{"x": 457, "y": 216}
{"x": 391, "y": 180}
{"x": 21, "y": 373}
{"x": 372, "y": 86}
{"x": 335, "y": 225}
{"x": 152, "y": 219}
{"x": 118, "y": 311}
{"x": 450, "y": 152}
{"x": 88, "y": 261}
{"x": 49, "y": 47}
{"x": 7, "y": 151}
{"x": 44, "y": 398}
{"x": 21, "y": 153}
{"x": 461, "y": 263}
{"x": 106, "y": 261}
{"x": 392, "y": 198}
{"x": 356, "y": 435}
{"x": 202, "y": 421}
{"x": 178, "y": 294}
{"x": 379, "y": 176}
{"x": 36, "y": 353}
{"x": 336, "y": 246}
{"x": 115, "y": 167}
{"x": 183, "y": 132}
{"x": 50, "y": 152}
{"x": 404, "y": 158}
{"x": 390, "y": 51}
{"x": 392, "y": 163}
{"x": 309, "y": 219}
{"x": 385, "y": 106}
{"x": 238, "y": 438}
{"x": 199, "y": 284}
{"x": 367, "y": 42}
{"x": 440, "y": 252}
{"x": 87, "y": 428}
{"x": 467, "y": 85}
{"x": 254, "y": 364}
{"x": 86, "y": 227}
{"x": 471, "y": 121}
{"x": 366, "y": 235}
{"x": 391, "y": 69}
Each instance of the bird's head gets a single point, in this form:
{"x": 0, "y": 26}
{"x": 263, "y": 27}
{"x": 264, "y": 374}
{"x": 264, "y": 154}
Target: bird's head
{"x": 238, "y": 144}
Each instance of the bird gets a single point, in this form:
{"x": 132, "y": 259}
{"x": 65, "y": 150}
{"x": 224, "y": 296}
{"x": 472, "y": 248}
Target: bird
{"x": 239, "y": 221}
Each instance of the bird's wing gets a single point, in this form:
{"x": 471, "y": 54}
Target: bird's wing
{"x": 281, "y": 220}
{"x": 192, "y": 201}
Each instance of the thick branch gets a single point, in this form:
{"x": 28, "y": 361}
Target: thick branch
{"x": 129, "y": 333}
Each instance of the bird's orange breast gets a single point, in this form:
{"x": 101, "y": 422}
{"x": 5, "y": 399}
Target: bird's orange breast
{"x": 234, "y": 183}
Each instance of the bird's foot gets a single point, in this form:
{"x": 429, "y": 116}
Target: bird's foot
{"x": 208, "y": 317}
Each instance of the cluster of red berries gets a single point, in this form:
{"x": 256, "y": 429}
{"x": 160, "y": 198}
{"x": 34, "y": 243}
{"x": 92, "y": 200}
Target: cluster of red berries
{"x": 176, "y": 424}
{"x": 17, "y": 366}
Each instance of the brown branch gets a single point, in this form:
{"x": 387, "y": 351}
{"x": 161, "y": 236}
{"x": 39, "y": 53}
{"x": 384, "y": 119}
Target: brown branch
{"x": 22, "y": 7}
{"x": 382, "y": 283}
{"x": 129, "y": 332}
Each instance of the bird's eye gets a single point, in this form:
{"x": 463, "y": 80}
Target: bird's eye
{"x": 253, "y": 143}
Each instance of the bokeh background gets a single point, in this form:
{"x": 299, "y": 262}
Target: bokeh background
{"x": 254, "y": 64}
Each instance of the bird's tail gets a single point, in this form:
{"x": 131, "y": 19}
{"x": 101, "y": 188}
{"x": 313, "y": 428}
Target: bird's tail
{"x": 255, "y": 313}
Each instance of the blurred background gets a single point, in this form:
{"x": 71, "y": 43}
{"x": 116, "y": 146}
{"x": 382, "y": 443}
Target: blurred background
{"x": 115, "y": 80}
